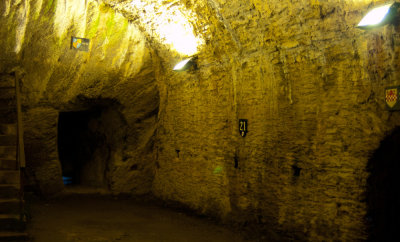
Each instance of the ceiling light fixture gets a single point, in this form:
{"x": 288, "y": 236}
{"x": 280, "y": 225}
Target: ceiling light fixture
{"x": 379, "y": 16}
{"x": 186, "y": 64}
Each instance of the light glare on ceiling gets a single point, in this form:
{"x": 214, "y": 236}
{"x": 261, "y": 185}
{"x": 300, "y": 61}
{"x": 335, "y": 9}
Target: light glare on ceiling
{"x": 170, "y": 24}
{"x": 180, "y": 36}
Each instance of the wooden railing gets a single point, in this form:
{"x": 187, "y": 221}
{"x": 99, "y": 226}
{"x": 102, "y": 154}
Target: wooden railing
{"x": 20, "y": 131}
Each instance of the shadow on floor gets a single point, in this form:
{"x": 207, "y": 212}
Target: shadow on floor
{"x": 78, "y": 217}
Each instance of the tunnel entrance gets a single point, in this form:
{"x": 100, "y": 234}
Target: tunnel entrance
{"x": 82, "y": 147}
{"x": 383, "y": 190}
{"x": 92, "y": 142}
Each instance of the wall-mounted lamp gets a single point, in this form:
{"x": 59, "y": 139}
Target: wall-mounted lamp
{"x": 186, "y": 64}
{"x": 379, "y": 16}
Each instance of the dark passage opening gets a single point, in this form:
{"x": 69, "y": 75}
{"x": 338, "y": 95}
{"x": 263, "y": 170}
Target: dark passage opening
{"x": 383, "y": 190}
{"x": 82, "y": 147}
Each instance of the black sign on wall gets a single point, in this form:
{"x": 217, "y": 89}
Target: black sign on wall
{"x": 243, "y": 127}
{"x": 81, "y": 44}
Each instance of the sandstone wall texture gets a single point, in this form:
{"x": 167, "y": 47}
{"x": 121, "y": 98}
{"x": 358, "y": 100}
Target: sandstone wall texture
{"x": 310, "y": 84}
{"x": 312, "y": 88}
{"x": 35, "y": 42}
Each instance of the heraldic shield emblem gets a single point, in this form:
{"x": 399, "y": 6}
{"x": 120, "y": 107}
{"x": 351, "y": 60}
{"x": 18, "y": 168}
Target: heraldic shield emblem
{"x": 81, "y": 44}
{"x": 392, "y": 98}
{"x": 76, "y": 43}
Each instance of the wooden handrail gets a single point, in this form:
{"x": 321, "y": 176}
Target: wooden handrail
{"x": 20, "y": 131}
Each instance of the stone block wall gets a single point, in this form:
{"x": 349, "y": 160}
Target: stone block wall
{"x": 312, "y": 88}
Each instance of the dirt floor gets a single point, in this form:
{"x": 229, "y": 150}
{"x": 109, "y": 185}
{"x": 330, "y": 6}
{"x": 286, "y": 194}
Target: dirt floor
{"x": 105, "y": 218}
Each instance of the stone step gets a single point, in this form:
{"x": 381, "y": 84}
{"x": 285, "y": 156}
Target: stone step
{"x": 14, "y": 236}
{"x": 12, "y": 222}
{"x": 8, "y": 140}
{"x": 7, "y": 81}
{"x": 7, "y": 92}
{"x": 8, "y": 152}
{"x": 9, "y": 191}
{"x": 10, "y": 206}
{"x": 9, "y": 177}
{"x": 8, "y": 164}
{"x": 8, "y": 115}
{"x": 10, "y": 128}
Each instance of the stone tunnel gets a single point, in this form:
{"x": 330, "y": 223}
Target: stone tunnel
{"x": 102, "y": 105}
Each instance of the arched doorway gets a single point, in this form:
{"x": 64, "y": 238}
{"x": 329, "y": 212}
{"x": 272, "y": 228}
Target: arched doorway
{"x": 383, "y": 190}
{"x": 79, "y": 141}
{"x": 88, "y": 142}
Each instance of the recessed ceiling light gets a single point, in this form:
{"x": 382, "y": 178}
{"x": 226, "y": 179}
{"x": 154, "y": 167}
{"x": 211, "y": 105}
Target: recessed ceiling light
{"x": 379, "y": 16}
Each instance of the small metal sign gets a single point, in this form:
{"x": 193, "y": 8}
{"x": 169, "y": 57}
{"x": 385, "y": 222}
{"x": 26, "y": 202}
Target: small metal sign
{"x": 243, "y": 127}
{"x": 392, "y": 98}
{"x": 81, "y": 44}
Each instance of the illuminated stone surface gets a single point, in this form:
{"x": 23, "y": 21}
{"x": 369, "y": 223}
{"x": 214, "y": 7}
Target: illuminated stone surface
{"x": 310, "y": 84}
{"x": 56, "y": 78}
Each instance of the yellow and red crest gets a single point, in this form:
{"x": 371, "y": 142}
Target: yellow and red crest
{"x": 392, "y": 98}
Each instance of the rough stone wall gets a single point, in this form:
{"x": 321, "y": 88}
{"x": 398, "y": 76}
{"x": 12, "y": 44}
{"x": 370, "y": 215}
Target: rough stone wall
{"x": 312, "y": 88}
{"x": 43, "y": 166}
{"x": 35, "y": 43}
{"x": 310, "y": 84}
